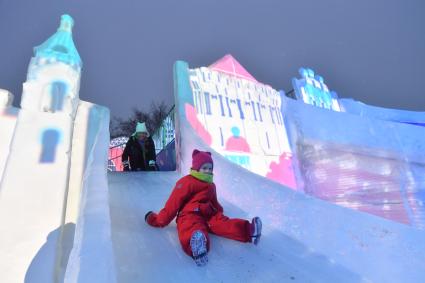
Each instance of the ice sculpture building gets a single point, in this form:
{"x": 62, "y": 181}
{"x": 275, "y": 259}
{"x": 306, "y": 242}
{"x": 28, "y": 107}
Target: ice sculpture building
{"x": 45, "y": 150}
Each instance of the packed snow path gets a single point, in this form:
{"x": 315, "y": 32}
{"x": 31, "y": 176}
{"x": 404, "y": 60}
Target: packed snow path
{"x": 148, "y": 254}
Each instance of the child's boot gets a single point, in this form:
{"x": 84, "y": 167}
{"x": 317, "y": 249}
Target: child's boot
{"x": 256, "y": 226}
{"x": 198, "y": 244}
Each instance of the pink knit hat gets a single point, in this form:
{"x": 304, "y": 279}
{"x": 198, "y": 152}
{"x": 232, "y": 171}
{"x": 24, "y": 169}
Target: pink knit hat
{"x": 199, "y": 158}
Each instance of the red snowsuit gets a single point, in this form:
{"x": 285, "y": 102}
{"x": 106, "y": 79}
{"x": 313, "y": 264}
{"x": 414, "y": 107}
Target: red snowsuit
{"x": 196, "y": 206}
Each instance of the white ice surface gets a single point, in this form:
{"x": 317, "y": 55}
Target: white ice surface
{"x": 91, "y": 258}
{"x": 304, "y": 239}
{"x": 32, "y": 196}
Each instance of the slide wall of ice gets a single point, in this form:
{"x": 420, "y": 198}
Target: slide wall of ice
{"x": 91, "y": 258}
{"x": 339, "y": 152}
{"x": 317, "y": 240}
{"x": 361, "y": 162}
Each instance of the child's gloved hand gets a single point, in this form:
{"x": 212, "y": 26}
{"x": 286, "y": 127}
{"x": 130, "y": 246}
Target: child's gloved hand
{"x": 126, "y": 165}
{"x": 147, "y": 216}
{"x": 151, "y": 162}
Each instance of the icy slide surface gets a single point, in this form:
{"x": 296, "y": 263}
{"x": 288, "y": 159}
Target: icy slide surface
{"x": 304, "y": 239}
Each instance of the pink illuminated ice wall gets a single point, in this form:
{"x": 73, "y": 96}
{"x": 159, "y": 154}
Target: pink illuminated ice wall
{"x": 240, "y": 118}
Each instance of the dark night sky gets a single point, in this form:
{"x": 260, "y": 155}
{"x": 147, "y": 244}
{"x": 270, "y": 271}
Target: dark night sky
{"x": 369, "y": 50}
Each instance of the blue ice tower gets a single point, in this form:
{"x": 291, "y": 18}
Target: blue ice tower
{"x": 53, "y": 78}
{"x": 311, "y": 89}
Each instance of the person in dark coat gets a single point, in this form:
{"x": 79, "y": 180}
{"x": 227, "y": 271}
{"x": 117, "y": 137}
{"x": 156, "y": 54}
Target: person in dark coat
{"x": 139, "y": 152}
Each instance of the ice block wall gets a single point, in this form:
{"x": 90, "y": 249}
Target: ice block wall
{"x": 360, "y": 162}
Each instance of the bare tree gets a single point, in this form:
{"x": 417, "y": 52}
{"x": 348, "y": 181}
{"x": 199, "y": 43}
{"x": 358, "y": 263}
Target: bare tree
{"x": 153, "y": 119}
{"x": 157, "y": 114}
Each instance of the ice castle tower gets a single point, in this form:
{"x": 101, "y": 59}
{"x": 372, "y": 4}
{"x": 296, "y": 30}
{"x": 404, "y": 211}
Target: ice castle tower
{"x": 53, "y": 78}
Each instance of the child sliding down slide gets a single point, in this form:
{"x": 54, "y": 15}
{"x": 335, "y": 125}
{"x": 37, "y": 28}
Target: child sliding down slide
{"x": 194, "y": 202}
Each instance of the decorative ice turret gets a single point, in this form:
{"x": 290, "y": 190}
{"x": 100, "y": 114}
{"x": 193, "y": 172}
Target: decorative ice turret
{"x": 6, "y": 98}
{"x": 312, "y": 89}
{"x": 53, "y": 79}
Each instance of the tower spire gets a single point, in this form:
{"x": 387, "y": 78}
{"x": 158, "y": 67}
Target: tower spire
{"x": 60, "y": 46}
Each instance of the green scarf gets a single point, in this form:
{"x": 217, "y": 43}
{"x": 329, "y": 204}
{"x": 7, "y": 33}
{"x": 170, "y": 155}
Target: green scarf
{"x": 202, "y": 176}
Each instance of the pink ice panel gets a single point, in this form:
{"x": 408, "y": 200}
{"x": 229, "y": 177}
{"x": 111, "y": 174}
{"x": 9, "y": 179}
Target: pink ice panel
{"x": 282, "y": 172}
{"x": 196, "y": 124}
{"x": 229, "y": 65}
{"x": 238, "y": 144}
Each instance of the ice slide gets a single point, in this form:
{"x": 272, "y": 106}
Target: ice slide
{"x": 62, "y": 219}
{"x": 304, "y": 239}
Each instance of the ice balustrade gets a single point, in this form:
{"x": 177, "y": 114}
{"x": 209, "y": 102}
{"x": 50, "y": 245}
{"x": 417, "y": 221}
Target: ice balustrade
{"x": 165, "y": 133}
{"x": 116, "y": 148}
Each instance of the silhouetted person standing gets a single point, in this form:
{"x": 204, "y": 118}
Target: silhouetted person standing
{"x": 139, "y": 152}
